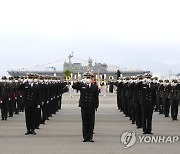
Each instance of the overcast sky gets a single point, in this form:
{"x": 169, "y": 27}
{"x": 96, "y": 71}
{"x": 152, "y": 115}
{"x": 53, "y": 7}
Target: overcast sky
{"x": 115, "y": 32}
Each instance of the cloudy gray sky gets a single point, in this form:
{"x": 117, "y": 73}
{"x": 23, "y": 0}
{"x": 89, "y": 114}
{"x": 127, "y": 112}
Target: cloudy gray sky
{"x": 131, "y": 33}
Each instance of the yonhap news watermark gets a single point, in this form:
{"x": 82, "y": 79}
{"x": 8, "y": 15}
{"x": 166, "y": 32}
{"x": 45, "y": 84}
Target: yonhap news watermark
{"x": 129, "y": 139}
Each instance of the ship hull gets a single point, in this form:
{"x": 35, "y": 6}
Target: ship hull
{"x": 61, "y": 74}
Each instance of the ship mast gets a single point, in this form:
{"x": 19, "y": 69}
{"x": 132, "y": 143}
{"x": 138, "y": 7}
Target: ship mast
{"x": 69, "y": 57}
{"x": 90, "y": 67}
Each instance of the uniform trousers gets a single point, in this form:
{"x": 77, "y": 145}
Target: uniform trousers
{"x": 88, "y": 120}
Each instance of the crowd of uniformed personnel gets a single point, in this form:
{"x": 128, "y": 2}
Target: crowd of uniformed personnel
{"x": 138, "y": 97}
{"x": 38, "y": 96}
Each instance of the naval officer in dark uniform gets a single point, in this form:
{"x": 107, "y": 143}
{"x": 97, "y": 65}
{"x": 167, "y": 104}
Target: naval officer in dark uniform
{"x": 4, "y": 92}
{"x": 147, "y": 105}
{"x": 89, "y": 102}
{"x": 31, "y": 104}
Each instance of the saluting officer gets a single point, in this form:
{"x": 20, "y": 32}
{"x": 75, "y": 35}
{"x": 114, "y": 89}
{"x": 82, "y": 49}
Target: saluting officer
{"x": 30, "y": 104}
{"x": 11, "y": 102}
{"x": 165, "y": 99}
{"x": 119, "y": 85}
{"x": 147, "y": 105}
{"x": 136, "y": 100}
{"x": 173, "y": 96}
{"x": 159, "y": 97}
{"x": 89, "y": 102}
{"x": 4, "y": 98}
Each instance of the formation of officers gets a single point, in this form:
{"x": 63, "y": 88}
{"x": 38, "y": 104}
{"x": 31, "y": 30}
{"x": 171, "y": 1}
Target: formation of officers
{"x": 39, "y": 96}
{"x": 139, "y": 96}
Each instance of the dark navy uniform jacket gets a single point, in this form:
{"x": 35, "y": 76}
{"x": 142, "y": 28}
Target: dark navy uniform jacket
{"x": 30, "y": 98}
{"x": 147, "y": 95}
{"x": 89, "y": 97}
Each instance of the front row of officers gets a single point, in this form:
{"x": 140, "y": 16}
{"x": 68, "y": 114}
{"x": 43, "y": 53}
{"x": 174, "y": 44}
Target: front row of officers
{"x": 138, "y": 97}
{"x": 40, "y": 98}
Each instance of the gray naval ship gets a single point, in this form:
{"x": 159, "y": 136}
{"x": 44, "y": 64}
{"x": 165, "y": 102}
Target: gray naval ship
{"x": 77, "y": 69}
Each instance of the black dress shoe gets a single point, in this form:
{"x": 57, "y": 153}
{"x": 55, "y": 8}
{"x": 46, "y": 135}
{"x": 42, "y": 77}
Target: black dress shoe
{"x": 28, "y": 132}
{"x": 91, "y": 140}
{"x": 149, "y": 133}
{"x": 175, "y": 118}
{"x": 33, "y": 132}
{"x": 145, "y": 133}
{"x": 84, "y": 140}
{"x": 42, "y": 122}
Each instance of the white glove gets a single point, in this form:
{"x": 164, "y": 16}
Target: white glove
{"x": 20, "y": 96}
{"x": 42, "y": 103}
{"x": 9, "y": 99}
{"x": 83, "y": 80}
{"x": 38, "y": 107}
{"x": 25, "y": 81}
{"x": 15, "y": 97}
{"x": 51, "y": 98}
{"x": 47, "y": 102}
{"x": 1, "y": 101}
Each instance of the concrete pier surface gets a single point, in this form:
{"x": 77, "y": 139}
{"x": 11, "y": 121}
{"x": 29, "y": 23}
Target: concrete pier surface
{"x": 62, "y": 134}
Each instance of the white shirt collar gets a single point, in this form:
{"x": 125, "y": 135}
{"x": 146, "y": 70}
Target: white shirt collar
{"x": 89, "y": 85}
